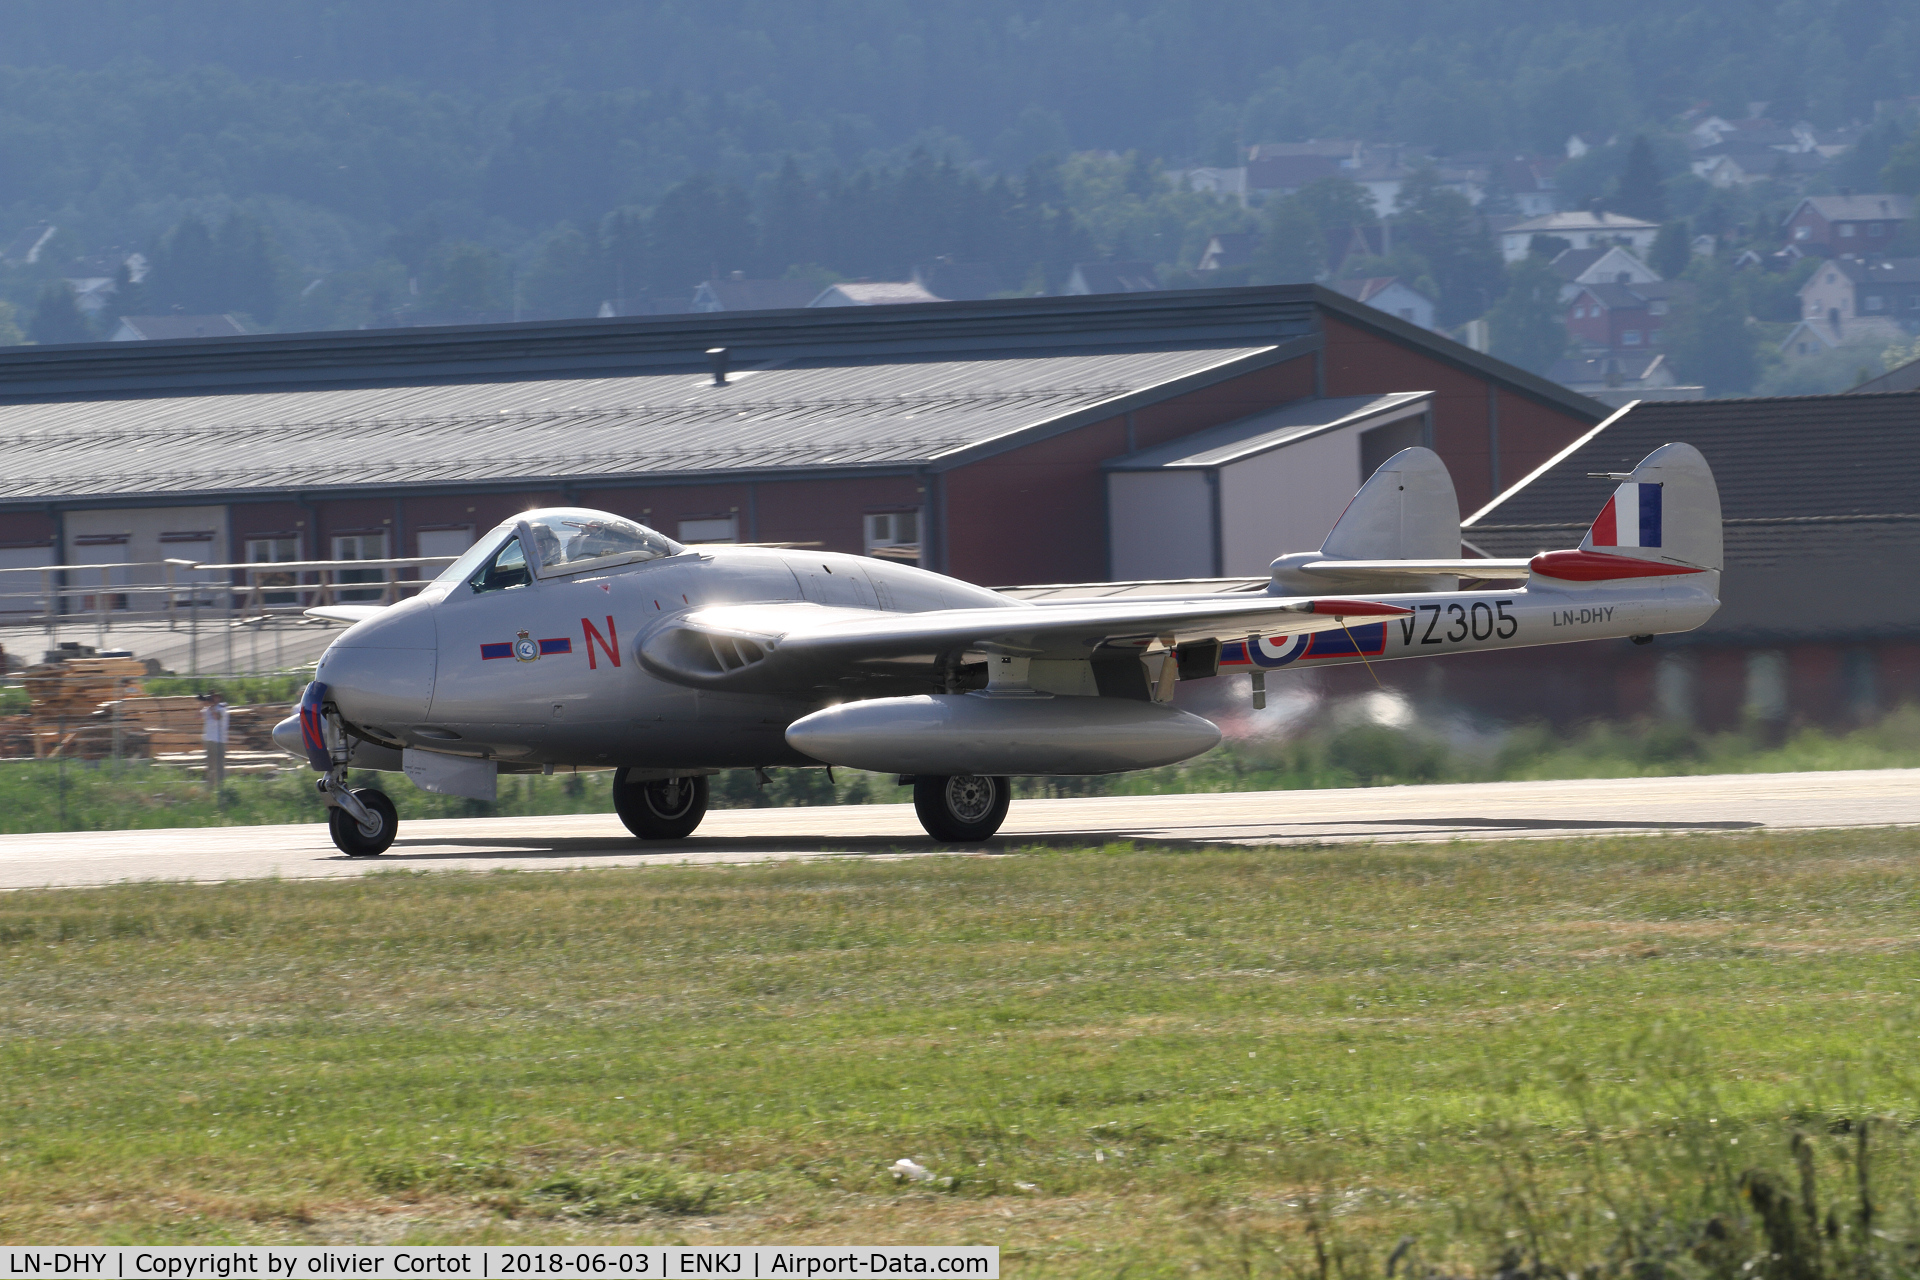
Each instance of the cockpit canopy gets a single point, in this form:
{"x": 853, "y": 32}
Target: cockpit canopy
{"x": 554, "y": 542}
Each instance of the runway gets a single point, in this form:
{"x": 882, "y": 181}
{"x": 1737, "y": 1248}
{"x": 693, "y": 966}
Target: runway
{"x": 1387, "y": 815}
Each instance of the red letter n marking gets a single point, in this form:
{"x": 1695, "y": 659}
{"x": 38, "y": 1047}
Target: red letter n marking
{"x": 612, "y": 647}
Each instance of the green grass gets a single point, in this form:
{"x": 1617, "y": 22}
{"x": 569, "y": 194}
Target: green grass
{"x": 1157, "y": 1062}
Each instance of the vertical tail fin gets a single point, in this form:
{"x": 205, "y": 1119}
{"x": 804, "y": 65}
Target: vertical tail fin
{"x": 1666, "y": 509}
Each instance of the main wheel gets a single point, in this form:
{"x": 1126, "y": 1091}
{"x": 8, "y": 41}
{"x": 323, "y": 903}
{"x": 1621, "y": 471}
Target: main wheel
{"x": 963, "y": 809}
{"x": 665, "y": 809}
{"x": 347, "y": 834}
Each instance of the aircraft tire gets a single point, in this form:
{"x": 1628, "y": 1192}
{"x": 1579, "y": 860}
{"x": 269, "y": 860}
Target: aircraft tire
{"x": 664, "y": 809}
{"x": 965, "y": 808}
{"x": 346, "y": 832}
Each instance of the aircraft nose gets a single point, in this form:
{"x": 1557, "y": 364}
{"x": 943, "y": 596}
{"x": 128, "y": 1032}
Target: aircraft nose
{"x": 380, "y": 672}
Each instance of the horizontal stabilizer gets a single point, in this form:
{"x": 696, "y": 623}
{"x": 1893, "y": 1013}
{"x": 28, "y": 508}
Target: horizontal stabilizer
{"x": 1481, "y": 568}
{"x": 345, "y": 612}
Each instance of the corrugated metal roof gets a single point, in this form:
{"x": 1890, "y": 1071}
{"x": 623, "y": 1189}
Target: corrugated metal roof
{"x": 869, "y": 415}
{"x": 1260, "y": 432}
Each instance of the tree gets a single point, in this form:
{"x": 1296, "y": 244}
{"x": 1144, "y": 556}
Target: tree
{"x": 700, "y": 227}
{"x": 1672, "y": 250}
{"x": 566, "y": 279}
{"x": 1640, "y": 193}
{"x": 1710, "y": 340}
{"x": 1525, "y": 326}
{"x": 1902, "y": 171}
{"x": 1336, "y": 203}
{"x": 1293, "y": 248}
{"x": 1440, "y": 225}
{"x": 243, "y": 274}
{"x": 57, "y": 318}
{"x": 466, "y": 284}
{"x": 183, "y": 276}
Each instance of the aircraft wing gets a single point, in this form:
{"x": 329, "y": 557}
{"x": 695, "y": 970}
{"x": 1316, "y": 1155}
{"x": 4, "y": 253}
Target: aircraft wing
{"x": 755, "y": 647}
{"x": 344, "y": 612}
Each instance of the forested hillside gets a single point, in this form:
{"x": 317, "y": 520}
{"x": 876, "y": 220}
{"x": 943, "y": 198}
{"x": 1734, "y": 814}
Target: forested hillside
{"x": 360, "y": 158}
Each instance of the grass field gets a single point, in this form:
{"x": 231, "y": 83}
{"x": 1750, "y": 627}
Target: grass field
{"x": 1623, "y": 1055}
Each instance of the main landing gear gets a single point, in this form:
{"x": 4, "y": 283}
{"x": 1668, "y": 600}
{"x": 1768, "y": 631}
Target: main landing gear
{"x": 964, "y": 808}
{"x": 662, "y": 809}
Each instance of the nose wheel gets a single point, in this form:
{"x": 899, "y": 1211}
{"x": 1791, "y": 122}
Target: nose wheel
{"x": 662, "y": 809}
{"x": 965, "y": 808}
{"x": 353, "y": 837}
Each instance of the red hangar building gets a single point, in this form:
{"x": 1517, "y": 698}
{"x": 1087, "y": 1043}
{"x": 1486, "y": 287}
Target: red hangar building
{"x": 1174, "y": 434}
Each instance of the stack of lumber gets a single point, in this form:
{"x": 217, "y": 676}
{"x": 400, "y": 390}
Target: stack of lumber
{"x": 165, "y": 724}
{"x": 66, "y": 701}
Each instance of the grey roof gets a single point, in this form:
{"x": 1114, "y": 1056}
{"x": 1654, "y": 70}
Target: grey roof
{"x": 1820, "y": 495}
{"x": 1867, "y": 208}
{"x": 1879, "y": 271}
{"x": 1245, "y": 437}
{"x": 757, "y": 295}
{"x": 1904, "y": 377}
{"x": 847, "y": 416}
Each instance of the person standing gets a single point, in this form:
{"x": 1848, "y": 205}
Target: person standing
{"x": 214, "y": 718}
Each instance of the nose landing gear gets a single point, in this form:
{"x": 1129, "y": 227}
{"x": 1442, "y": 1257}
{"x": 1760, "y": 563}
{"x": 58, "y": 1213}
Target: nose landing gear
{"x": 358, "y": 836}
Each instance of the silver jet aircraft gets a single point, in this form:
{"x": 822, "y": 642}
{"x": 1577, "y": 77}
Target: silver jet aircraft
{"x": 569, "y": 639}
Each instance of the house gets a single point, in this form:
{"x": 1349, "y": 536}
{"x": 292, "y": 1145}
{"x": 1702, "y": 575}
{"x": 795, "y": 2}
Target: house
{"x": 741, "y": 294}
{"x": 1528, "y": 182}
{"x": 1872, "y": 334}
{"x": 1228, "y": 250}
{"x": 1281, "y": 168}
{"x": 1837, "y": 225}
{"x": 95, "y": 279}
{"x": 1582, "y": 229}
{"x": 1112, "y": 277}
{"x": 873, "y": 293}
{"x": 1739, "y": 164}
{"x": 1620, "y": 318}
{"x": 1392, "y": 295}
{"x": 1621, "y": 379}
{"x": 1211, "y": 181}
{"x": 958, "y": 281}
{"x": 1610, "y": 265}
{"x": 159, "y": 328}
{"x": 1844, "y": 290}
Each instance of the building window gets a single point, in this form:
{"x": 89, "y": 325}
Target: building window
{"x": 274, "y": 550}
{"x": 710, "y": 529}
{"x": 1874, "y": 302}
{"x": 360, "y": 546}
{"x": 1657, "y": 307}
{"x": 1846, "y": 230}
{"x": 1767, "y": 685}
{"x": 1802, "y": 232}
{"x": 894, "y": 535}
{"x": 1630, "y": 338}
{"x": 1874, "y": 229}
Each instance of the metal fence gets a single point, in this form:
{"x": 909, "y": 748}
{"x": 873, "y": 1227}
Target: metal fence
{"x": 220, "y": 601}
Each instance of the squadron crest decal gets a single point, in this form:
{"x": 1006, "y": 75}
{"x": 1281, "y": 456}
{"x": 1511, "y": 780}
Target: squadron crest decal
{"x": 525, "y": 648}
